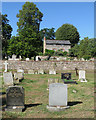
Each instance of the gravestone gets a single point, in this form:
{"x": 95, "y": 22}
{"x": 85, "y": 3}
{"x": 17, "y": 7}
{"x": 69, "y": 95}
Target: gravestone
{"x": 30, "y": 71}
{"x": 20, "y": 70}
{"x": 27, "y": 59}
{"x": 18, "y": 76}
{"x": 6, "y": 64}
{"x": 20, "y": 58}
{"x": 66, "y": 76}
{"x": 36, "y": 58}
{"x": 8, "y": 78}
{"x": 57, "y": 97}
{"x": 52, "y": 71}
{"x": 82, "y": 76}
{"x": 15, "y": 99}
{"x": 40, "y": 71}
{"x": 13, "y": 57}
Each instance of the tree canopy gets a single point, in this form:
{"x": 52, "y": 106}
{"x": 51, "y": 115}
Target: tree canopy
{"x": 49, "y": 33}
{"x": 28, "y": 42}
{"x": 85, "y": 49}
{"x": 6, "y": 34}
{"x": 68, "y": 32}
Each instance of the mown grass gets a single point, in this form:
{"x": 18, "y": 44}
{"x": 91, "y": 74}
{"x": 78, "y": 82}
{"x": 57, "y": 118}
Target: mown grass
{"x": 81, "y": 101}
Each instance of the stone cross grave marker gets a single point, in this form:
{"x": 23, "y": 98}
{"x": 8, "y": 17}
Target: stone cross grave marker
{"x": 6, "y": 65}
{"x": 82, "y": 76}
{"x": 57, "y": 96}
{"x": 8, "y": 78}
{"x": 15, "y": 99}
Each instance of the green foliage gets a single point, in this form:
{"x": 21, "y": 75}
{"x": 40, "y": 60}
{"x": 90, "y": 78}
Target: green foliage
{"x": 68, "y": 32}
{"x": 55, "y": 53}
{"x": 85, "y": 49}
{"x": 49, "y": 33}
{"x": 28, "y": 42}
{"x": 6, "y": 34}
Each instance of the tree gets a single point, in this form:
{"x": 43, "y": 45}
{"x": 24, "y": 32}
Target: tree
{"x": 6, "y": 34}
{"x": 49, "y": 33}
{"x": 68, "y": 32}
{"x": 28, "y": 29}
{"x": 85, "y": 49}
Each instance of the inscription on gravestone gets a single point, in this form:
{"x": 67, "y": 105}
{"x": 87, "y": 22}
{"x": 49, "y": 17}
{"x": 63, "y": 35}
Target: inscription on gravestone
{"x": 15, "y": 98}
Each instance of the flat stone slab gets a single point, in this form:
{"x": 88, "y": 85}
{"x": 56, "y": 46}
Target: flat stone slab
{"x": 56, "y": 108}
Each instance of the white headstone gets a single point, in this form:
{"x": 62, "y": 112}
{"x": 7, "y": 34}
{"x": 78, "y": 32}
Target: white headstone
{"x": 8, "y": 78}
{"x": 20, "y": 57}
{"x": 27, "y": 59}
{"x": 57, "y": 94}
{"x": 20, "y": 70}
{"x": 82, "y": 76}
{"x": 52, "y": 71}
{"x": 5, "y": 66}
{"x": 36, "y": 58}
{"x": 13, "y": 57}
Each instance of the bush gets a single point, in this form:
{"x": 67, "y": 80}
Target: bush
{"x": 87, "y": 57}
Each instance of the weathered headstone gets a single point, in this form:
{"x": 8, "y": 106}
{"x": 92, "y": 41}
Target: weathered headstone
{"x": 15, "y": 99}
{"x": 40, "y": 71}
{"x": 57, "y": 97}
{"x": 8, "y": 78}
{"x": 82, "y": 76}
{"x": 52, "y": 71}
{"x": 18, "y": 76}
{"x": 30, "y": 71}
{"x": 5, "y": 66}
{"x": 13, "y": 57}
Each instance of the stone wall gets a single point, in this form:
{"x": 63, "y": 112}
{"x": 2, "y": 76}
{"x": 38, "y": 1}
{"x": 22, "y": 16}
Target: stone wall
{"x": 46, "y": 65}
{"x": 57, "y": 47}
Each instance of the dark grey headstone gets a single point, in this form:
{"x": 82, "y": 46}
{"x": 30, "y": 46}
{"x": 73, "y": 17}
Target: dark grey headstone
{"x": 66, "y": 76}
{"x": 15, "y": 98}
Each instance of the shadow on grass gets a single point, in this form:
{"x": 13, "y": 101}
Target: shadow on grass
{"x": 31, "y": 105}
{"x": 74, "y": 103}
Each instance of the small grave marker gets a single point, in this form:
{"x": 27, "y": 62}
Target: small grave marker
{"x": 52, "y": 71}
{"x": 82, "y": 76}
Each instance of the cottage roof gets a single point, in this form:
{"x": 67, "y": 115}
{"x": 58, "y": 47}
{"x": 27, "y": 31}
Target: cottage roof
{"x": 60, "y": 42}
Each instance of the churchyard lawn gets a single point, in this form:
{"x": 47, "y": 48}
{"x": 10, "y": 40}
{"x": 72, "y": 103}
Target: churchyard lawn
{"x": 80, "y": 98}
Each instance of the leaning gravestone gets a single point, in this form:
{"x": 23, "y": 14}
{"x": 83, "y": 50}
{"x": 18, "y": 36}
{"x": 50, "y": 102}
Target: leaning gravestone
{"x": 52, "y": 71}
{"x": 15, "y": 99}
{"x": 82, "y": 76}
{"x": 8, "y": 78}
{"x": 40, "y": 71}
{"x": 57, "y": 97}
{"x": 18, "y": 76}
{"x": 30, "y": 71}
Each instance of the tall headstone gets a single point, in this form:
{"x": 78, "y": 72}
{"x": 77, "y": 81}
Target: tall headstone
{"x": 57, "y": 97}
{"x": 8, "y": 78}
{"x": 36, "y": 58}
{"x": 6, "y": 65}
{"x": 15, "y": 99}
{"x": 82, "y": 76}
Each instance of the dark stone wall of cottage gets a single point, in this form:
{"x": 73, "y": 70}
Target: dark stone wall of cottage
{"x": 46, "y": 65}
